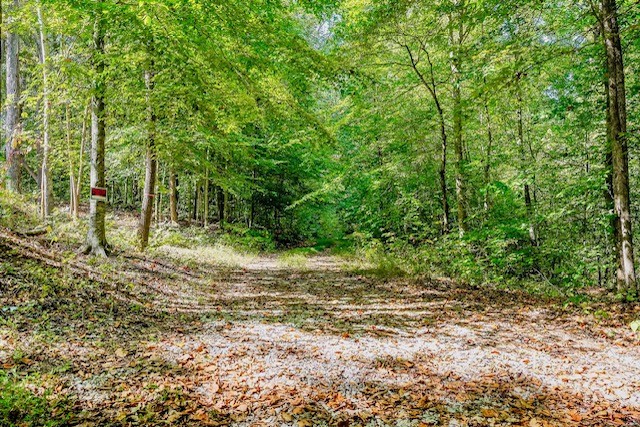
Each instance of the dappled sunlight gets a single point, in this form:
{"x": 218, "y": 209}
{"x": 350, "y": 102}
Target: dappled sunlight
{"x": 268, "y": 343}
{"x": 217, "y": 255}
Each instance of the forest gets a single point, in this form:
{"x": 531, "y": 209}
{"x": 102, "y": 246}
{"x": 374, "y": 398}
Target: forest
{"x": 319, "y": 212}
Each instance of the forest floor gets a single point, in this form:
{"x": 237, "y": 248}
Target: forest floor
{"x": 272, "y": 341}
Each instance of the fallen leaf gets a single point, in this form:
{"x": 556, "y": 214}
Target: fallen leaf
{"x": 575, "y": 416}
{"x": 489, "y": 413}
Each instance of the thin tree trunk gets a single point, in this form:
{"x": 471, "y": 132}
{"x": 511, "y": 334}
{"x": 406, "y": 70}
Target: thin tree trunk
{"x": 96, "y": 236}
{"x": 158, "y": 198}
{"x": 46, "y": 187}
{"x": 226, "y": 206}
{"x": 126, "y": 192}
{"x": 173, "y": 197}
{"x": 151, "y": 164}
{"x": 252, "y": 209}
{"x": 196, "y": 194}
{"x": 78, "y": 185}
{"x": 617, "y": 138}
{"x": 206, "y": 200}
{"x": 487, "y": 160}
{"x": 13, "y": 123}
{"x": 533, "y": 237}
{"x": 222, "y": 198}
{"x": 72, "y": 178}
{"x": 455, "y": 39}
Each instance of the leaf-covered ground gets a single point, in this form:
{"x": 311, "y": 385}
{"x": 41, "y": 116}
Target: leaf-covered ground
{"x": 156, "y": 341}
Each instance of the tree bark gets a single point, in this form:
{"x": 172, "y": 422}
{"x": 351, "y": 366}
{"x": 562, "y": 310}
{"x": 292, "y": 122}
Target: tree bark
{"x": 206, "y": 200}
{"x": 617, "y": 139}
{"x": 158, "y": 199}
{"x": 455, "y": 39}
{"x": 13, "y": 122}
{"x": 78, "y": 182}
{"x": 46, "y": 185}
{"x": 151, "y": 164}
{"x": 72, "y": 174}
{"x": 487, "y": 160}
{"x": 96, "y": 237}
{"x": 173, "y": 197}
{"x": 196, "y": 201}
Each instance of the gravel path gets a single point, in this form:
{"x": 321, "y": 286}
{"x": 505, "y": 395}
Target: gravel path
{"x": 324, "y": 332}
{"x": 269, "y": 342}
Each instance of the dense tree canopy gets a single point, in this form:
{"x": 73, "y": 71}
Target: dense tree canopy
{"x": 486, "y": 140}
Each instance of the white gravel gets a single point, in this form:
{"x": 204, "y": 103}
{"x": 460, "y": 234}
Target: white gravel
{"x": 268, "y": 356}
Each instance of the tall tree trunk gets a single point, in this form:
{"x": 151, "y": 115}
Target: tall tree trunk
{"x": 206, "y": 201}
{"x": 252, "y": 209}
{"x": 227, "y": 207}
{"x": 173, "y": 196}
{"x": 78, "y": 183}
{"x": 222, "y": 209}
{"x": 158, "y": 198}
{"x": 487, "y": 160}
{"x": 72, "y": 172}
{"x": 196, "y": 202}
{"x": 151, "y": 164}
{"x": 608, "y": 193}
{"x": 46, "y": 186}
{"x": 443, "y": 181}
{"x": 455, "y": 39}
{"x": 460, "y": 182}
{"x": 96, "y": 237}
{"x": 126, "y": 192}
{"x": 617, "y": 139}
{"x": 13, "y": 123}
{"x": 533, "y": 235}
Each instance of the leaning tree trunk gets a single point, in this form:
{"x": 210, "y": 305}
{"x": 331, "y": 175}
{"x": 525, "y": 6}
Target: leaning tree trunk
{"x": 430, "y": 85}
{"x": 151, "y": 165}
{"x": 96, "y": 237}
{"x": 617, "y": 139}
{"x": 46, "y": 185}
{"x": 12, "y": 122}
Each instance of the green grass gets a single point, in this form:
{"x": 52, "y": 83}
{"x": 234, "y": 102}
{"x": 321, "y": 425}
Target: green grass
{"x": 19, "y": 406}
{"x": 293, "y": 260}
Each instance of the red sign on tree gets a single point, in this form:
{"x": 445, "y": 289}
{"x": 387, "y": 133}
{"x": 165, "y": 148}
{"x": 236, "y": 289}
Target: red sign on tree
{"x": 99, "y": 194}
